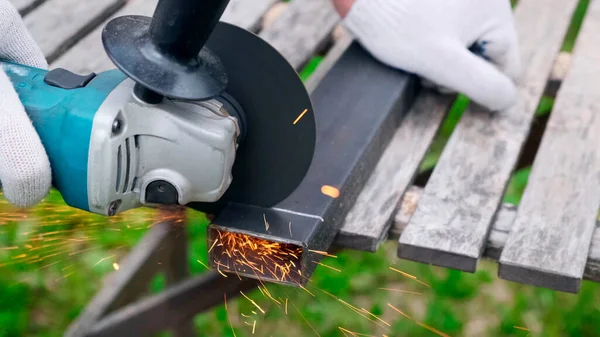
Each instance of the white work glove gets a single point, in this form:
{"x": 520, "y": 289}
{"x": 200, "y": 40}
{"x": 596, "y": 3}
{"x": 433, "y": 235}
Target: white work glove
{"x": 24, "y": 166}
{"x": 431, "y": 38}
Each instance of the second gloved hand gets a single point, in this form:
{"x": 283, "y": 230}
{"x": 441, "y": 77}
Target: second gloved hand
{"x": 431, "y": 38}
{"x": 24, "y": 166}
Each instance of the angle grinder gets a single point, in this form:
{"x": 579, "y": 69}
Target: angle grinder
{"x": 199, "y": 113}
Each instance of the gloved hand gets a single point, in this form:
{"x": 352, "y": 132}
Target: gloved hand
{"x": 433, "y": 38}
{"x": 24, "y": 166}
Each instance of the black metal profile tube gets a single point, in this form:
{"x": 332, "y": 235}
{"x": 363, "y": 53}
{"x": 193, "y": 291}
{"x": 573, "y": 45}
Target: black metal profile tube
{"x": 180, "y": 28}
{"x": 357, "y": 115}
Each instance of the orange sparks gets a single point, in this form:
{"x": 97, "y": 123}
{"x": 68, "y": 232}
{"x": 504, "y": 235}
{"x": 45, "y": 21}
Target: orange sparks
{"x": 268, "y": 294}
{"x": 65, "y": 276}
{"x": 213, "y": 245}
{"x": 399, "y": 311}
{"x": 320, "y": 252}
{"x": 51, "y": 264}
{"x": 403, "y": 273}
{"x": 228, "y": 319}
{"x": 203, "y": 264}
{"x": 434, "y": 330}
{"x": 253, "y": 327}
{"x": 401, "y": 291}
{"x": 219, "y": 269}
{"x": 520, "y": 328}
{"x": 247, "y": 255}
{"x": 304, "y": 318}
{"x": 410, "y": 276}
{"x": 330, "y": 267}
{"x": 286, "y": 302}
{"x": 330, "y": 191}
{"x": 313, "y": 295}
{"x": 266, "y": 223}
{"x": 300, "y": 116}
{"x": 254, "y": 303}
{"x": 115, "y": 266}
{"x": 352, "y": 333}
{"x": 376, "y": 317}
{"x": 351, "y": 307}
{"x": 103, "y": 259}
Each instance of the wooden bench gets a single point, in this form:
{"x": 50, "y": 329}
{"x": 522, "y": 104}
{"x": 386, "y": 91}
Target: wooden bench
{"x": 452, "y": 217}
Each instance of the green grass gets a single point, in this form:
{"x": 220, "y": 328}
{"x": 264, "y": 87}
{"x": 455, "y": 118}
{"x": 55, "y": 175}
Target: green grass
{"x": 40, "y": 298}
{"x": 41, "y": 301}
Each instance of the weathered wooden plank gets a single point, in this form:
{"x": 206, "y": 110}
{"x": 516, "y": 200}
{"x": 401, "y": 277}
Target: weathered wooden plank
{"x": 273, "y": 13}
{"x": 58, "y": 24}
{"x": 549, "y": 242}
{"x": 89, "y": 55}
{"x": 25, "y": 6}
{"x": 247, "y": 13}
{"x": 169, "y": 308}
{"x": 367, "y": 224}
{"x": 302, "y": 29}
{"x": 138, "y": 267}
{"x": 452, "y": 221}
{"x": 503, "y": 223}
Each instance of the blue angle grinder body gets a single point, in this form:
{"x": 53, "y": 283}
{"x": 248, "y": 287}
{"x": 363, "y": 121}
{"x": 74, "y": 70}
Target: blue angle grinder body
{"x": 199, "y": 113}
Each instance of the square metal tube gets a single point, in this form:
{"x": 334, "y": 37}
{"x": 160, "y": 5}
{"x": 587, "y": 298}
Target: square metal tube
{"x": 358, "y": 105}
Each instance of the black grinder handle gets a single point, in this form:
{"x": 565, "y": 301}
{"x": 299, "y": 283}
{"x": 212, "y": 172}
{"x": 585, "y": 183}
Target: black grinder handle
{"x": 180, "y": 28}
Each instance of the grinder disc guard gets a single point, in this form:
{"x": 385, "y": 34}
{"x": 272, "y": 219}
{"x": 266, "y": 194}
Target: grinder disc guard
{"x": 275, "y": 153}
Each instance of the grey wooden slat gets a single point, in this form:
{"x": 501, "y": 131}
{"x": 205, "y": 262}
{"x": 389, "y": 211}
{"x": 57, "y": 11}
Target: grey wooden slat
{"x": 247, "y": 13}
{"x": 367, "y": 224}
{"x": 58, "y": 24}
{"x": 273, "y": 13}
{"x": 136, "y": 269}
{"x": 502, "y": 225}
{"x": 25, "y": 6}
{"x": 549, "y": 242}
{"x": 303, "y": 28}
{"x": 452, "y": 221}
{"x": 89, "y": 55}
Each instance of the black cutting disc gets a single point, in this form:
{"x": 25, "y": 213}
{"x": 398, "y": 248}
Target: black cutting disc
{"x": 275, "y": 153}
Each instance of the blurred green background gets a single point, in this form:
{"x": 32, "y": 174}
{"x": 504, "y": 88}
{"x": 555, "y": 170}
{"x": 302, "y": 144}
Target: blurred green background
{"x": 53, "y": 260}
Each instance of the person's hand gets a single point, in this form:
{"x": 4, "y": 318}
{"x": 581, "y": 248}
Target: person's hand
{"x": 25, "y": 172}
{"x": 467, "y": 46}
